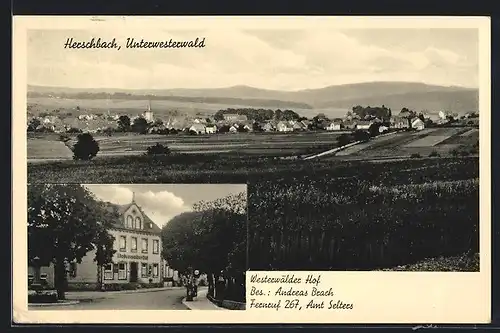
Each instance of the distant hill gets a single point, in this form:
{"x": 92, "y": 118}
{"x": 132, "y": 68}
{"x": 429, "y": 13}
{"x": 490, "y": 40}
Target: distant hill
{"x": 396, "y": 95}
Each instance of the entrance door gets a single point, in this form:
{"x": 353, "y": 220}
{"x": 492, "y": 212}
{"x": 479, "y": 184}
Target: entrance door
{"x": 133, "y": 271}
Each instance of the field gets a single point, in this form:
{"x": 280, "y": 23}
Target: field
{"x": 439, "y": 140}
{"x": 274, "y": 144}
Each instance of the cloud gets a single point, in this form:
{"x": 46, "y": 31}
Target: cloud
{"x": 160, "y": 206}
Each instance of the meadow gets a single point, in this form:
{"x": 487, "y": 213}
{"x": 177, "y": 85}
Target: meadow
{"x": 440, "y": 140}
{"x": 48, "y": 146}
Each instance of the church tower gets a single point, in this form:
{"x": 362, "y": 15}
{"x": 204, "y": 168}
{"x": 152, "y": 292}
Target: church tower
{"x": 148, "y": 114}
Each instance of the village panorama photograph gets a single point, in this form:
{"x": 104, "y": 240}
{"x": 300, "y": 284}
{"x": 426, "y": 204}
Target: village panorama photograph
{"x": 124, "y": 247}
{"x": 360, "y": 147}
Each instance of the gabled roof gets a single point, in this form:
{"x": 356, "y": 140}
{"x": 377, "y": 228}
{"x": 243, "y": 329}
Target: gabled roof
{"x": 148, "y": 226}
{"x": 198, "y": 127}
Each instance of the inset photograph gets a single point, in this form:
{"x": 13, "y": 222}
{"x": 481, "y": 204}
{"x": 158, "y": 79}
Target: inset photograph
{"x": 405, "y": 215}
{"x": 154, "y": 247}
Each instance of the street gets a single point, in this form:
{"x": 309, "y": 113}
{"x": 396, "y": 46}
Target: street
{"x": 156, "y": 300}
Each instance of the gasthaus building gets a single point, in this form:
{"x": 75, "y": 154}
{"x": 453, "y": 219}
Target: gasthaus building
{"x": 137, "y": 258}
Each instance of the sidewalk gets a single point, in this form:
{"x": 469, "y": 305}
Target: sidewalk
{"x": 92, "y": 295}
{"x": 201, "y": 302}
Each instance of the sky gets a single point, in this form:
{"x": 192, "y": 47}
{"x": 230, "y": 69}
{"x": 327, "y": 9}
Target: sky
{"x": 162, "y": 202}
{"x": 268, "y": 59}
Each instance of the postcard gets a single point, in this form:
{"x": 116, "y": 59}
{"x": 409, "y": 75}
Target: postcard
{"x": 284, "y": 169}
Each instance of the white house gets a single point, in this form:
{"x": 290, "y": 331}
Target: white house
{"x": 284, "y": 127}
{"x": 211, "y": 128}
{"x": 417, "y": 124}
{"x": 333, "y": 126}
{"x": 198, "y": 128}
{"x": 363, "y": 124}
{"x": 233, "y": 129}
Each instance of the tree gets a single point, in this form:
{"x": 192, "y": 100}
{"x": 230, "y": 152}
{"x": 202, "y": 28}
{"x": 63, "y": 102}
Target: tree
{"x": 140, "y": 125}
{"x": 374, "y": 129}
{"x": 210, "y": 239}
{"x": 344, "y": 139}
{"x": 85, "y": 148}
{"x": 158, "y": 149}
{"x": 360, "y": 135}
{"x": 34, "y": 124}
{"x": 65, "y": 222}
{"x": 124, "y": 123}
{"x": 256, "y": 127}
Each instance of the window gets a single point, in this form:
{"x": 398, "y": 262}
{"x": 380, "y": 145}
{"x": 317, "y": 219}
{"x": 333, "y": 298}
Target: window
{"x": 144, "y": 245}
{"x": 155, "y": 270}
{"x": 144, "y": 269}
{"x": 122, "y": 271}
{"x": 72, "y": 269}
{"x": 156, "y": 246}
{"x": 134, "y": 244}
{"x": 123, "y": 243}
{"x": 108, "y": 272}
{"x": 138, "y": 223}
{"x": 130, "y": 220}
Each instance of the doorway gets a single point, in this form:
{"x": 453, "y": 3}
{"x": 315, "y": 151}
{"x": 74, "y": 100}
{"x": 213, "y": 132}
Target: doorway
{"x": 133, "y": 271}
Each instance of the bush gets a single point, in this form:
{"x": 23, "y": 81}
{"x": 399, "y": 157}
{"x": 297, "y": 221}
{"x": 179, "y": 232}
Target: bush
{"x": 85, "y": 148}
{"x": 158, "y": 149}
{"x": 415, "y": 155}
{"x": 43, "y": 296}
{"x": 434, "y": 154}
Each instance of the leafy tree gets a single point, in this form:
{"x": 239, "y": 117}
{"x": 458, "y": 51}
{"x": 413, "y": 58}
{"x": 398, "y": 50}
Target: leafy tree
{"x": 124, "y": 123}
{"x": 344, "y": 139}
{"x": 85, "y": 148}
{"x": 140, "y": 125}
{"x": 256, "y": 127}
{"x": 158, "y": 149}
{"x": 211, "y": 239}
{"x": 34, "y": 124}
{"x": 65, "y": 222}
{"x": 360, "y": 135}
{"x": 374, "y": 129}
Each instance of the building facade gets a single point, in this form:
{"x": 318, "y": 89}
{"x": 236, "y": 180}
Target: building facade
{"x": 137, "y": 258}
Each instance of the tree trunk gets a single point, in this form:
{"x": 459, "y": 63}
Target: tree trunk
{"x": 211, "y": 289}
{"x": 60, "y": 278}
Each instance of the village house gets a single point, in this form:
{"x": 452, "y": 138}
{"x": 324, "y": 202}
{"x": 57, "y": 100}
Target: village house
{"x": 363, "y": 124}
{"x": 210, "y": 128}
{"x": 400, "y": 122}
{"x": 334, "y": 126}
{"x": 349, "y": 124}
{"x": 137, "y": 258}
{"x": 233, "y": 129}
{"x": 198, "y": 128}
{"x": 248, "y": 128}
{"x": 299, "y": 126}
{"x": 268, "y": 127}
{"x": 284, "y": 126}
{"x": 417, "y": 123}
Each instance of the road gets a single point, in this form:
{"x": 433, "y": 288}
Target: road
{"x": 157, "y": 300}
